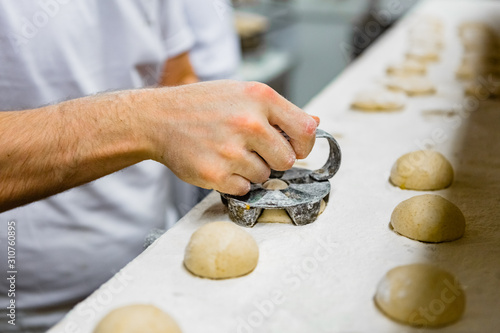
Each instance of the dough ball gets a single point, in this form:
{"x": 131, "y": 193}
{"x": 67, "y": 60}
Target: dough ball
{"x": 424, "y": 42}
{"x": 137, "y": 318}
{"x": 476, "y": 64}
{"x": 423, "y": 53}
{"x": 249, "y": 24}
{"x": 426, "y": 34}
{"x": 281, "y": 216}
{"x": 474, "y": 29}
{"x": 221, "y": 250}
{"x": 482, "y": 91}
{"x": 478, "y": 37}
{"x": 407, "y": 68}
{"x": 379, "y": 100}
{"x": 275, "y": 184}
{"x": 422, "y": 170}
{"x": 412, "y": 85}
{"x": 420, "y": 295}
{"x": 469, "y": 71}
{"x": 426, "y": 25}
{"x": 428, "y": 218}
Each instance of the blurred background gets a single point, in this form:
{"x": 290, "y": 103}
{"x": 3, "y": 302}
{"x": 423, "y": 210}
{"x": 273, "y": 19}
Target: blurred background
{"x": 299, "y": 46}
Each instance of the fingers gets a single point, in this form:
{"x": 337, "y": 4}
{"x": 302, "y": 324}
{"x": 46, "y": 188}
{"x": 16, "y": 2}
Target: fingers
{"x": 298, "y": 125}
{"x": 233, "y": 170}
{"x": 253, "y": 168}
{"x": 316, "y": 118}
{"x": 235, "y": 185}
{"x": 274, "y": 148}
{"x": 230, "y": 134}
{"x": 219, "y": 177}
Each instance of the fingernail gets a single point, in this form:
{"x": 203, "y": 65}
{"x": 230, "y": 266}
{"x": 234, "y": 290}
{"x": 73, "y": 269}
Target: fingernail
{"x": 312, "y": 125}
{"x": 316, "y": 118}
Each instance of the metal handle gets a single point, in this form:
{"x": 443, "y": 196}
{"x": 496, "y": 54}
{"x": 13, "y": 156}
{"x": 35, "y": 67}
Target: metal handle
{"x": 332, "y": 165}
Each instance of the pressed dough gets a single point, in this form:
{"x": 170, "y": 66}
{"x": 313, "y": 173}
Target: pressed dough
{"x": 407, "y": 68}
{"x": 482, "y": 91}
{"x": 414, "y": 85}
{"x": 275, "y": 184}
{"x": 379, "y": 100}
{"x": 474, "y": 65}
{"x": 137, "y": 318}
{"x": 468, "y": 71}
{"x": 422, "y": 170}
{"x": 478, "y": 37}
{"x": 420, "y": 295}
{"x": 425, "y": 24}
{"x": 422, "y": 41}
{"x": 281, "y": 216}
{"x": 428, "y": 218}
{"x": 221, "y": 250}
{"x": 423, "y": 53}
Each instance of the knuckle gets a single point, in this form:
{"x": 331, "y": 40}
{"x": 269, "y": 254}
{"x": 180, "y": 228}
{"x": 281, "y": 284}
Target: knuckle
{"x": 261, "y": 90}
{"x": 210, "y": 175}
{"x": 231, "y": 152}
{"x": 254, "y": 125}
{"x": 249, "y": 123}
{"x": 205, "y": 175}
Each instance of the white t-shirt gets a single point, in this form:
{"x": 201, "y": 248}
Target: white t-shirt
{"x": 216, "y": 52}
{"x": 54, "y": 50}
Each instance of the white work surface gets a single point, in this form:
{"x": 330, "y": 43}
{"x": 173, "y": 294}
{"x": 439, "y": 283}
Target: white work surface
{"x": 322, "y": 277}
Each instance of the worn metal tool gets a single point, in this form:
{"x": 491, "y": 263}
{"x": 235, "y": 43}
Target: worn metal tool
{"x": 301, "y": 199}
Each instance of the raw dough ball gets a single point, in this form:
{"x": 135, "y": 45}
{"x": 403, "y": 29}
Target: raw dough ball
{"x": 467, "y": 71}
{"x": 221, "y": 250}
{"x": 476, "y": 64}
{"x": 422, "y": 170}
{"x": 474, "y": 29}
{"x": 422, "y": 53}
{"x": 249, "y": 24}
{"x": 379, "y": 100}
{"x": 412, "y": 85}
{"x": 281, "y": 216}
{"x": 275, "y": 184}
{"x": 426, "y": 35}
{"x": 426, "y": 25}
{"x": 478, "y": 37}
{"x": 137, "y": 318}
{"x": 420, "y": 295}
{"x": 407, "y": 68}
{"x": 424, "y": 42}
{"x": 482, "y": 91}
{"x": 428, "y": 218}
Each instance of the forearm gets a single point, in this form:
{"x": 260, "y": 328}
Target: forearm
{"x": 218, "y": 135}
{"x": 48, "y": 150}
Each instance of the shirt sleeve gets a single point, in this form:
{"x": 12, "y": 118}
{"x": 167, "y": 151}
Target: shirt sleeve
{"x": 176, "y": 33}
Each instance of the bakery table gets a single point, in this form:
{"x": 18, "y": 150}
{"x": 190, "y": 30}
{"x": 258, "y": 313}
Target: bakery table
{"x": 322, "y": 277}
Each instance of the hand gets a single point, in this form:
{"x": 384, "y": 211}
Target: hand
{"x": 220, "y": 135}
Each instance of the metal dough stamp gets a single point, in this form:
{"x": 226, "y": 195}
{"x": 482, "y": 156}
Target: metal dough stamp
{"x": 301, "y": 199}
